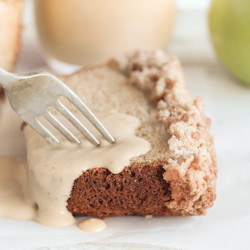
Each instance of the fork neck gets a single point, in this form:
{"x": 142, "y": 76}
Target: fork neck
{"x": 6, "y": 78}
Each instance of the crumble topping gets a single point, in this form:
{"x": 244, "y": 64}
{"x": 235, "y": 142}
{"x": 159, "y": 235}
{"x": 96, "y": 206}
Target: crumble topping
{"x": 191, "y": 170}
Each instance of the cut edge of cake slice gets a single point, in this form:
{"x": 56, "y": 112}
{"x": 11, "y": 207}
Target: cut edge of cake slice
{"x": 10, "y": 32}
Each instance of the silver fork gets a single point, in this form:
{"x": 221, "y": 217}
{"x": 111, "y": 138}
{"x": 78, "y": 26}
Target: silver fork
{"x": 30, "y": 96}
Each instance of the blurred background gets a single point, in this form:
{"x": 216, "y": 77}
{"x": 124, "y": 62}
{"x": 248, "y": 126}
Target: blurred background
{"x": 72, "y": 33}
{"x": 168, "y": 26}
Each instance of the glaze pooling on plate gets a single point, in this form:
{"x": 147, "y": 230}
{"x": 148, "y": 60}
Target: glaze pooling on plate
{"x": 92, "y": 225}
{"x": 15, "y": 200}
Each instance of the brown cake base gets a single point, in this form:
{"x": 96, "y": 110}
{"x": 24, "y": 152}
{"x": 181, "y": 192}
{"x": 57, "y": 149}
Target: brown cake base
{"x": 138, "y": 190}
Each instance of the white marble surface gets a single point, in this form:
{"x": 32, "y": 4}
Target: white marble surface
{"x": 227, "y": 103}
{"x": 192, "y": 4}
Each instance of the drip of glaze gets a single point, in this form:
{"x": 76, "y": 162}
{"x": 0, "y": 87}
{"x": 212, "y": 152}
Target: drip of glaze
{"x": 52, "y": 169}
{"x": 15, "y": 202}
{"x": 92, "y": 225}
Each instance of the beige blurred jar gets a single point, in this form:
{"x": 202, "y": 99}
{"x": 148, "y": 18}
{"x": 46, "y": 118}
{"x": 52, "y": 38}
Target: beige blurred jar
{"x": 83, "y": 32}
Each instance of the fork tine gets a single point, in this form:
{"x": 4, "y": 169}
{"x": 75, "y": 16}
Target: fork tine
{"x": 43, "y": 131}
{"x": 75, "y": 100}
{"x": 65, "y": 111}
{"x": 59, "y": 126}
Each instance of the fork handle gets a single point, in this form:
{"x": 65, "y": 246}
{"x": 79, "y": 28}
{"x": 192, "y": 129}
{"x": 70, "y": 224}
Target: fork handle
{"x": 6, "y": 78}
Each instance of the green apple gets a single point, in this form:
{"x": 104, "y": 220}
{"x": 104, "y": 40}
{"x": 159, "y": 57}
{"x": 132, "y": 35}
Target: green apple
{"x": 229, "y": 23}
